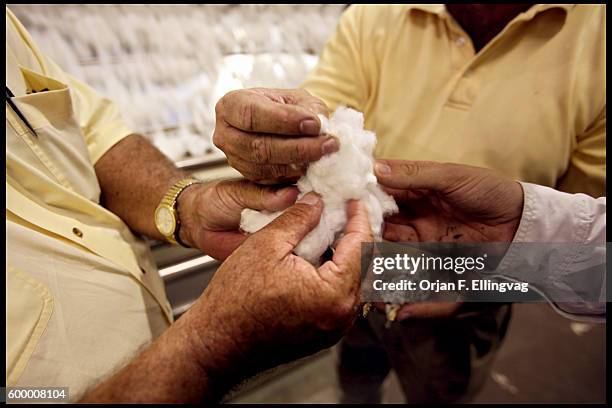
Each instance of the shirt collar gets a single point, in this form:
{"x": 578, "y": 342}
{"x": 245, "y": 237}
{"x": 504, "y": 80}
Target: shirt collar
{"x": 437, "y": 9}
{"x": 440, "y": 9}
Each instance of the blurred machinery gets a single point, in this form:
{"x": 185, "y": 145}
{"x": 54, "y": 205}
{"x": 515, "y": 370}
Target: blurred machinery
{"x": 167, "y": 65}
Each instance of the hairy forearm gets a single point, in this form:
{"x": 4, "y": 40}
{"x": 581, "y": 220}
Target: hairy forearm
{"x": 193, "y": 361}
{"x": 134, "y": 175}
{"x": 167, "y": 371}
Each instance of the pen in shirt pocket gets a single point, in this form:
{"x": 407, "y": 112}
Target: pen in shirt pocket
{"x": 9, "y": 100}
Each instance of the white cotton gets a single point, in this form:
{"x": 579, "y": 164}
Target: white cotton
{"x": 339, "y": 177}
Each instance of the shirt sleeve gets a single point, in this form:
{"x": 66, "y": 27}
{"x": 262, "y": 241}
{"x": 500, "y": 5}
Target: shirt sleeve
{"x": 568, "y": 235}
{"x": 338, "y": 78}
{"x": 97, "y": 116}
{"x": 587, "y": 169}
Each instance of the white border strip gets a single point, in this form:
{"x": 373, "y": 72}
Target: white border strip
{"x": 184, "y": 266}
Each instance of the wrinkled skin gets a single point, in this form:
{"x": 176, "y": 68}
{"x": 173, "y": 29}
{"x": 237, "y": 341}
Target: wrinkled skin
{"x": 210, "y": 213}
{"x": 442, "y": 202}
{"x": 264, "y": 306}
{"x": 270, "y": 135}
{"x": 273, "y": 306}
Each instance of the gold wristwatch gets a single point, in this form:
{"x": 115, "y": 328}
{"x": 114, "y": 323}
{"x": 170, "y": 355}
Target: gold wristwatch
{"x": 166, "y": 214}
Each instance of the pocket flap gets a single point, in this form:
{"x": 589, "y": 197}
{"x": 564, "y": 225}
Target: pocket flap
{"x": 50, "y": 102}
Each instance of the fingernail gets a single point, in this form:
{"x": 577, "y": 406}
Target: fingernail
{"x": 330, "y": 146}
{"x": 309, "y": 127}
{"x": 382, "y": 168}
{"x": 309, "y": 199}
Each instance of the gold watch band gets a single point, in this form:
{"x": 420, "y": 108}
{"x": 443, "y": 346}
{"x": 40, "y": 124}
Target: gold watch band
{"x": 170, "y": 200}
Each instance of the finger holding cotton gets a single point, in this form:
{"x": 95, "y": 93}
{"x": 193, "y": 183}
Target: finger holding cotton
{"x": 338, "y": 177}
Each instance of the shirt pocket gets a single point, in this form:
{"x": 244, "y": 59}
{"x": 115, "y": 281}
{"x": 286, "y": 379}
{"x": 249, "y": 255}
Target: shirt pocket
{"x": 28, "y": 309}
{"x": 59, "y": 143}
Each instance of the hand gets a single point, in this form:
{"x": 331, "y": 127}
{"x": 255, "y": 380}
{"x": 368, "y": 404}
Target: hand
{"x": 448, "y": 203}
{"x": 270, "y": 135}
{"x": 427, "y": 310}
{"x": 423, "y": 310}
{"x": 442, "y": 202}
{"x": 266, "y": 306}
{"x": 210, "y": 213}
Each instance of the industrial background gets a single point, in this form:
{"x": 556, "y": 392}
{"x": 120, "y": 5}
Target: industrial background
{"x": 166, "y": 66}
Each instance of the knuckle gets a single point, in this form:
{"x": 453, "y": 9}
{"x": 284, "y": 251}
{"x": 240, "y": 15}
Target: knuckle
{"x": 258, "y": 171}
{"x": 260, "y": 150}
{"x": 247, "y": 117}
{"x": 219, "y": 107}
{"x": 278, "y": 170}
{"x": 298, "y": 152}
{"x": 308, "y": 150}
{"x": 409, "y": 168}
{"x": 225, "y": 103}
{"x": 218, "y": 139}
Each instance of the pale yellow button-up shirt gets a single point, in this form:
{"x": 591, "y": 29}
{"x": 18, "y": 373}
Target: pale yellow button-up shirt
{"x": 531, "y": 103}
{"x": 83, "y": 294}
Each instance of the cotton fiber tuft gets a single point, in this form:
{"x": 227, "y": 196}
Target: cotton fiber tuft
{"x": 339, "y": 177}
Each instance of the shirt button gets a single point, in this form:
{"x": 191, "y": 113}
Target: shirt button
{"x": 460, "y": 41}
{"x": 77, "y": 232}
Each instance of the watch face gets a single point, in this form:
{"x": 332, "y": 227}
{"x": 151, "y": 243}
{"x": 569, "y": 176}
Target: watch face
{"x": 164, "y": 219}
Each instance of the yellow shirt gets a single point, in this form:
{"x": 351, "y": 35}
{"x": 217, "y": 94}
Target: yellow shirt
{"x": 83, "y": 293}
{"x": 531, "y": 103}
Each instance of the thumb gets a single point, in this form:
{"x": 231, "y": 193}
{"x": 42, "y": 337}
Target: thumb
{"x": 403, "y": 174}
{"x": 289, "y": 228}
{"x": 245, "y": 194}
{"x": 356, "y": 232}
{"x": 227, "y": 199}
{"x": 346, "y": 263}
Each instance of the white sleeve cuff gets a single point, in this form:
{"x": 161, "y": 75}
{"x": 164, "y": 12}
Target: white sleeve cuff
{"x": 554, "y": 217}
